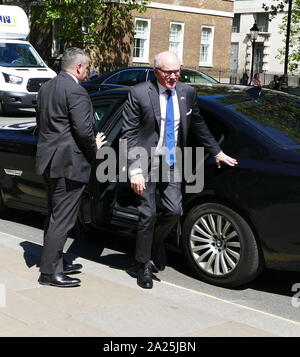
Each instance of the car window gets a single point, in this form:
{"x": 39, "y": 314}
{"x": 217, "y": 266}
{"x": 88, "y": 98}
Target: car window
{"x": 103, "y": 110}
{"x": 97, "y": 80}
{"x": 113, "y": 79}
{"x": 190, "y": 76}
{"x": 100, "y": 111}
{"x": 128, "y": 77}
{"x": 151, "y": 75}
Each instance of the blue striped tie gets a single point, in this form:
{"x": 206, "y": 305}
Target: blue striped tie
{"x": 170, "y": 156}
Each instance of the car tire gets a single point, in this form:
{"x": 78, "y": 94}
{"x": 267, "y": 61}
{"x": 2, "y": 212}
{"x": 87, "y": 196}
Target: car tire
{"x": 220, "y": 246}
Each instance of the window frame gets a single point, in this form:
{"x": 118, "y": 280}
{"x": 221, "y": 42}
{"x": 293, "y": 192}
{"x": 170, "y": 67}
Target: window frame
{"x": 258, "y": 57}
{"x": 111, "y": 103}
{"x": 236, "y": 23}
{"x": 145, "y": 58}
{"x": 258, "y": 18}
{"x": 120, "y": 73}
{"x": 209, "y": 62}
{"x": 181, "y": 43}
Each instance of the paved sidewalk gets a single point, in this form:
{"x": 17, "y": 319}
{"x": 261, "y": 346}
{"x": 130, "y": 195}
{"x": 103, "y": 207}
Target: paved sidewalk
{"x": 109, "y": 303}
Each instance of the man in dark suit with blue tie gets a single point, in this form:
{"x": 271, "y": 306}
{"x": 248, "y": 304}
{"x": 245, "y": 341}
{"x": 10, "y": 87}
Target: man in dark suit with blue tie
{"x": 66, "y": 150}
{"x": 157, "y": 117}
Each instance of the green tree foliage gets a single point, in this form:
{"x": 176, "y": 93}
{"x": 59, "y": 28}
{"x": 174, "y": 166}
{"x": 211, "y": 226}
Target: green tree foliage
{"x": 280, "y": 6}
{"x": 104, "y": 28}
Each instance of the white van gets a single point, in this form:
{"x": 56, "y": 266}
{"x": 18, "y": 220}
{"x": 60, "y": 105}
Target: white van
{"x": 22, "y": 71}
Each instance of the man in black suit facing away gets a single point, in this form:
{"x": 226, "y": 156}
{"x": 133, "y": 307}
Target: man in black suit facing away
{"x": 66, "y": 150}
{"x": 159, "y": 115}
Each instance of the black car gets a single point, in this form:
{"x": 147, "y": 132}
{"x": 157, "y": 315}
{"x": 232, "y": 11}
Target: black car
{"x": 244, "y": 219}
{"x": 130, "y": 76}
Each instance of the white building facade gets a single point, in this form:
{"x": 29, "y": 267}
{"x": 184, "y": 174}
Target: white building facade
{"x": 269, "y": 40}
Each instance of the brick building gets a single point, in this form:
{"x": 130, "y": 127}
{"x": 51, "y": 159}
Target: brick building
{"x": 199, "y": 31}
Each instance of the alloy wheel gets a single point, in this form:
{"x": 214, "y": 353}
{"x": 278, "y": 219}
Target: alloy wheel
{"x": 215, "y": 244}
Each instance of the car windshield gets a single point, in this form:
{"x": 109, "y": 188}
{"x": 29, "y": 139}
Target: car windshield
{"x": 190, "y": 76}
{"x": 19, "y": 55}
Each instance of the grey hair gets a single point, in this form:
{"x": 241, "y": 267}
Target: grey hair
{"x": 158, "y": 58}
{"x": 73, "y": 56}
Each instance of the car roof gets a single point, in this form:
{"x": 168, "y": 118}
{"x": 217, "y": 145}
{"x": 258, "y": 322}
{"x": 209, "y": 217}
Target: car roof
{"x": 221, "y": 94}
{"x": 206, "y": 92}
{"x": 108, "y": 74}
{"x": 123, "y": 91}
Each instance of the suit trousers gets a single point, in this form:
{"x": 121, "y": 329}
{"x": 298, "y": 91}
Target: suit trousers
{"x": 152, "y": 225}
{"x": 64, "y": 197}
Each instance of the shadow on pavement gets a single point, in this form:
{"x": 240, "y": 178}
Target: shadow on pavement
{"x": 32, "y": 253}
{"x": 117, "y": 252}
{"x": 121, "y": 258}
{"x": 87, "y": 250}
{"x": 276, "y": 282}
{"x": 105, "y": 248}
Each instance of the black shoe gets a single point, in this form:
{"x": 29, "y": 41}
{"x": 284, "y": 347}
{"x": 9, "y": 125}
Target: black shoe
{"x": 71, "y": 268}
{"x": 59, "y": 279}
{"x": 159, "y": 257}
{"x": 144, "y": 279}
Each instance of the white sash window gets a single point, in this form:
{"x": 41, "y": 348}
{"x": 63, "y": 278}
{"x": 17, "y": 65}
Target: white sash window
{"x": 141, "y": 40}
{"x": 176, "y": 39}
{"x": 206, "y": 46}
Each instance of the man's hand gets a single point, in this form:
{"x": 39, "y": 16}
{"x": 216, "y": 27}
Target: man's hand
{"x": 225, "y": 158}
{"x": 138, "y": 183}
{"x": 100, "y": 140}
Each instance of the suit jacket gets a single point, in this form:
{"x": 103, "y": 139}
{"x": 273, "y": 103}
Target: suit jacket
{"x": 66, "y": 135}
{"x": 142, "y": 119}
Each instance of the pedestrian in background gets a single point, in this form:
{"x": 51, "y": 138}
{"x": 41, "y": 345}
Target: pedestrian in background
{"x": 275, "y": 83}
{"x": 244, "y": 80}
{"x": 255, "y": 81}
{"x": 66, "y": 150}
